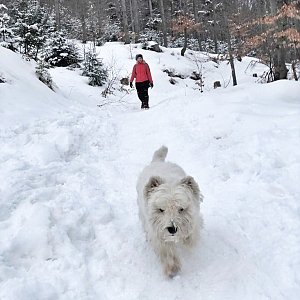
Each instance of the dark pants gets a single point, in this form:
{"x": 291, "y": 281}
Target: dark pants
{"x": 142, "y": 90}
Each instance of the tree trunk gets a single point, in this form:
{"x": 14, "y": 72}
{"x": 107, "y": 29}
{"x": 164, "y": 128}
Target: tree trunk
{"x": 273, "y": 6}
{"x": 83, "y": 25}
{"x": 98, "y": 8}
{"x": 231, "y": 61}
{"x": 294, "y": 70}
{"x": 2, "y": 25}
{"x": 215, "y": 33}
{"x": 81, "y": 9}
{"x": 196, "y": 17}
{"x": 136, "y": 20}
{"x": 57, "y": 15}
{"x": 279, "y": 58}
{"x": 131, "y": 16}
{"x": 150, "y": 9}
{"x": 228, "y": 38}
{"x": 163, "y": 19}
{"x": 280, "y": 69}
{"x": 125, "y": 22}
{"x": 185, "y": 42}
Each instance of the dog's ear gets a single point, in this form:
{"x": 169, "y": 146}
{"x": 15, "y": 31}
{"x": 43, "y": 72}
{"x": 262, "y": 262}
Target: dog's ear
{"x": 190, "y": 183}
{"x": 152, "y": 184}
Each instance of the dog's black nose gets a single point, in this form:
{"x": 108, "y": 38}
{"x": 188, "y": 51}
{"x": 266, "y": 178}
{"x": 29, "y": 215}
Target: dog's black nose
{"x": 172, "y": 229}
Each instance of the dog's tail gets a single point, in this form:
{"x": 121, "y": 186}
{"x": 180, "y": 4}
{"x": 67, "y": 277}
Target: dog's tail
{"x": 160, "y": 154}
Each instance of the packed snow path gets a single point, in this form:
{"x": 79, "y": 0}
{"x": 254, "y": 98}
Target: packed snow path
{"x": 68, "y": 220}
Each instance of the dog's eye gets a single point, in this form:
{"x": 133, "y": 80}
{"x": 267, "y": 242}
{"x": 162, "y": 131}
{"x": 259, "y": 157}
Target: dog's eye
{"x": 181, "y": 209}
{"x": 161, "y": 210}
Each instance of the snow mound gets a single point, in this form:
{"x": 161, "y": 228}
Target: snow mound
{"x": 23, "y": 97}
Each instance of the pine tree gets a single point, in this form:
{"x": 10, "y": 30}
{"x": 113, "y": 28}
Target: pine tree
{"x": 32, "y": 24}
{"x": 111, "y": 32}
{"x": 7, "y": 38}
{"x": 60, "y": 52}
{"x": 94, "y": 69}
{"x": 43, "y": 74}
{"x": 4, "y": 19}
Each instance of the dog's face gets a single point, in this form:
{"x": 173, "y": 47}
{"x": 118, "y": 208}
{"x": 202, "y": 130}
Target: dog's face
{"x": 172, "y": 209}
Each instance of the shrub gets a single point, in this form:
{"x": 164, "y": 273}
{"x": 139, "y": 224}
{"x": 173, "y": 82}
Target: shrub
{"x": 94, "y": 69}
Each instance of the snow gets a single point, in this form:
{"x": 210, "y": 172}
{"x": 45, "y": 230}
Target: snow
{"x": 2, "y": 6}
{"x": 34, "y": 27}
{"x": 24, "y": 98}
{"x": 69, "y": 225}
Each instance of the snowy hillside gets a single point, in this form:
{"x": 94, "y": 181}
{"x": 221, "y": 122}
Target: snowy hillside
{"x": 69, "y": 225}
{"x": 23, "y": 96}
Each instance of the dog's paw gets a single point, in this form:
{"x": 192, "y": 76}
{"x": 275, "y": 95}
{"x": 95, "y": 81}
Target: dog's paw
{"x": 172, "y": 271}
{"x": 173, "y": 268}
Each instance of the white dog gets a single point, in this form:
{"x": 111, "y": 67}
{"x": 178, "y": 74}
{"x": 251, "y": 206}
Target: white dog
{"x": 169, "y": 208}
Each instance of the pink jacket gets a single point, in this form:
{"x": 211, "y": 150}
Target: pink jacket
{"x": 141, "y": 72}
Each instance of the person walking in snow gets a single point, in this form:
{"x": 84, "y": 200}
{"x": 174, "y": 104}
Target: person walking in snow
{"x": 143, "y": 80}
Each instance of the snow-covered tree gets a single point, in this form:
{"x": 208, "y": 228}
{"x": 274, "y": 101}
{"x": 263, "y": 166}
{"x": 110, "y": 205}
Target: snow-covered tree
{"x": 43, "y": 74}
{"x": 7, "y": 38}
{"x": 151, "y": 31}
{"x": 94, "y": 69}
{"x": 111, "y": 31}
{"x": 59, "y": 51}
{"x": 69, "y": 23}
{"x": 31, "y": 24}
{"x": 4, "y": 19}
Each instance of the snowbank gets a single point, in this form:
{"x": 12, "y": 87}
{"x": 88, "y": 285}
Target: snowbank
{"x": 23, "y": 97}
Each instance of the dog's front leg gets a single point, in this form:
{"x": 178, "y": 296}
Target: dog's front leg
{"x": 169, "y": 258}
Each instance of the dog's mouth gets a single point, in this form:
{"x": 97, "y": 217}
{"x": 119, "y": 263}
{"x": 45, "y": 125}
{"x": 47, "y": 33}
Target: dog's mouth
{"x": 170, "y": 233}
{"x": 171, "y": 239}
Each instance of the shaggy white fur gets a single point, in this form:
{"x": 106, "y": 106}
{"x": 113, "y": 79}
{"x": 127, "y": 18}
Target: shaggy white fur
{"x": 169, "y": 208}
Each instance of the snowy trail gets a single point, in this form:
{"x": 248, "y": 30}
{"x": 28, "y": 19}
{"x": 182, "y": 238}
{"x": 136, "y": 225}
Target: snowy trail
{"x": 68, "y": 221}
{"x": 74, "y": 189}
{"x": 233, "y": 257}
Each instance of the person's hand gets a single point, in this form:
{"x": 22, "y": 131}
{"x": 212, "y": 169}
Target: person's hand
{"x": 151, "y": 84}
{"x": 131, "y": 85}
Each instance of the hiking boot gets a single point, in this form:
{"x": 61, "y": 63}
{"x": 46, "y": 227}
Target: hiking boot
{"x": 146, "y": 106}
